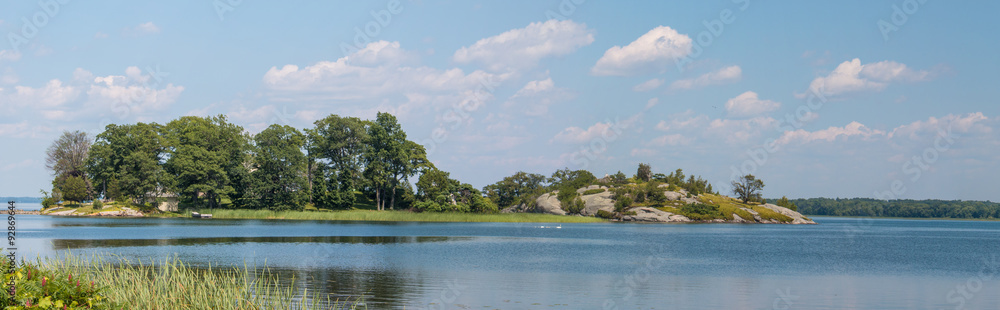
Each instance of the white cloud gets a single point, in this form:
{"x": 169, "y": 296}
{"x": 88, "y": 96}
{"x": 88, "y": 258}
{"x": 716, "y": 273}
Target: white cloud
{"x": 854, "y": 129}
{"x": 580, "y": 135}
{"x": 724, "y": 75}
{"x": 670, "y": 140}
{"x": 100, "y": 35}
{"x": 652, "y": 102}
{"x": 53, "y": 94}
{"x": 9, "y": 77}
{"x": 535, "y": 87}
{"x": 969, "y": 123}
{"x": 654, "y": 51}
{"x": 22, "y": 130}
{"x": 524, "y": 47}
{"x": 144, "y": 28}
{"x": 747, "y": 104}
{"x": 9, "y": 55}
{"x": 852, "y": 76}
{"x": 134, "y": 92}
{"x": 375, "y": 78}
{"x": 648, "y": 85}
{"x": 741, "y": 131}
{"x": 683, "y": 121}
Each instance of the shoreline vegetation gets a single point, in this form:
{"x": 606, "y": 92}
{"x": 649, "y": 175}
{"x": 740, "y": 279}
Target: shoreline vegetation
{"x": 113, "y": 282}
{"x": 346, "y": 165}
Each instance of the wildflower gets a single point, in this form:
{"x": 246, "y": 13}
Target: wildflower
{"x": 43, "y": 280}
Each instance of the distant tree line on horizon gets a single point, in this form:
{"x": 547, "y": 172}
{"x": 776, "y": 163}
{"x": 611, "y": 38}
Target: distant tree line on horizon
{"x": 957, "y": 209}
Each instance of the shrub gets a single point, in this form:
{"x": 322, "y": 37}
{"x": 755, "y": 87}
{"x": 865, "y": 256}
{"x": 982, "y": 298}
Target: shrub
{"x": 700, "y": 211}
{"x": 52, "y": 289}
{"x": 623, "y": 204}
{"x": 593, "y": 191}
{"x": 98, "y": 204}
{"x": 575, "y": 206}
{"x": 605, "y": 214}
{"x": 49, "y": 202}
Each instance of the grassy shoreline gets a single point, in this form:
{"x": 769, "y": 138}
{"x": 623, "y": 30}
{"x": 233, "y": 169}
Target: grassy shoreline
{"x": 114, "y": 282}
{"x": 397, "y": 216}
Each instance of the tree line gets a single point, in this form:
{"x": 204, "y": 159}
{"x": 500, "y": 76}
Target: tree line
{"x": 210, "y": 162}
{"x": 957, "y": 209}
{"x": 339, "y": 163}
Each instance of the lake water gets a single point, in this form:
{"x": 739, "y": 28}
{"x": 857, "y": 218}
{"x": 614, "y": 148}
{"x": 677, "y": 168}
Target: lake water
{"x": 842, "y": 263}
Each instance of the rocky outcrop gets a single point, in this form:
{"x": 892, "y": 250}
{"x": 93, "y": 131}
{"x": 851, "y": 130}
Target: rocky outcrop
{"x": 797, "y": 218}
{"x": 647, "y": 214}
{"x": 599, "y": 201}
{"x": 549, "y": 203}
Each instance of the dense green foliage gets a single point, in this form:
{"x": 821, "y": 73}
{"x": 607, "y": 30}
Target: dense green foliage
{"x": 700, "y": 211}
{"x": 957, "y": 209}
{"x": 206, "y": 159}
{"x": 594, "y": 191}
{"x": 277, "y": 180}
{"x": 520, "y": 188}
{"x": 126, "y": 161}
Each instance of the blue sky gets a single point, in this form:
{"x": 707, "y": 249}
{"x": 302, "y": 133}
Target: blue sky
{"x": 831, "y": 99}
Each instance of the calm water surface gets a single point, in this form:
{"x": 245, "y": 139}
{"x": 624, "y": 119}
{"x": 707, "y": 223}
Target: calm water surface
{"x": 840, "y": 264}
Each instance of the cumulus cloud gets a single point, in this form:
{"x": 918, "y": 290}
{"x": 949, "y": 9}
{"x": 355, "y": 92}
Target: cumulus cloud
{"x": 748, "y": 104}
{"x": 648, "y": 85}
{"x": 654, "y": 51}
{"x": 735, "y": 131}
{"x": 580, "y": 135}
{"x": 721, "y": 76}
{"x": 854, "y": 129}
{"x": 670, "y": 140}
{"x": 377, "y": 73}
{"x": 53, "y": 94}
{"x": 535, "y": 97}
{"x": 141, "y": 29}
{"x": 969, "y": 123}
{"x": 22, "y": 130}
{"x": 133, "y": 93}
{"x": 853, "y": 76}
{"x": 524, "y": 47}
{"x": 9, "y": 55}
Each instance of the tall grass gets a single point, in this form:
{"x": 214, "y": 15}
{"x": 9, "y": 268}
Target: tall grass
{"x": 171, "y": 284}
{"x": 381, "y": 216}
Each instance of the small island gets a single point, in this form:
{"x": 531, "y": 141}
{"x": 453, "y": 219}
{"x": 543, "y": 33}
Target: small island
{"x": 346, "y": 168}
